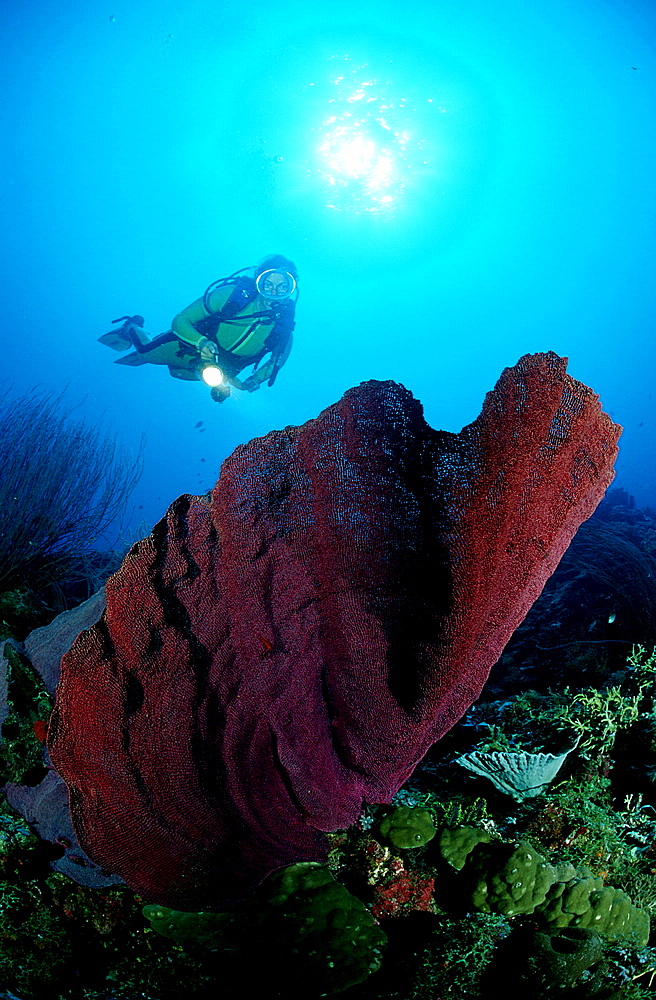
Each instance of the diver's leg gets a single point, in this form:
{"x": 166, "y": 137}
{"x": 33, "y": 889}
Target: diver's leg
{"x": 165, "y": 349}
{"x": 138, "y": 335}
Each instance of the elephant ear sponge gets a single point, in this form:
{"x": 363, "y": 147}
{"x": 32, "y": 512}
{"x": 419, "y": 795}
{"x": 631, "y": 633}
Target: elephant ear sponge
{"x": 508, "y": 878}
{"x": 407, "y": 827}
{"x": 303, "y": 927}
{"x": 584, "y": 901}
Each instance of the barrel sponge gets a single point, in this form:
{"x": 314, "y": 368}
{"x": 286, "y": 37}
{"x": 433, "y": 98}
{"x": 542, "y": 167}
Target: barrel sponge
{"x": 584, "y": 901}
{"x": 407, "y": 827}
{"x": 507, "y": 878}
{"x": 544, "y": 964}
{"x": 286, "y": 648}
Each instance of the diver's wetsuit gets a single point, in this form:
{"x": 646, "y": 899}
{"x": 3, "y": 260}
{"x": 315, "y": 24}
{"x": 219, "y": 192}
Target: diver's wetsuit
{"x": 243, "y": 339}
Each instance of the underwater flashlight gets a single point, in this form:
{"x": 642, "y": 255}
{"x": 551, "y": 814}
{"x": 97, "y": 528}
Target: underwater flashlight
{"x": 211, "y": 375}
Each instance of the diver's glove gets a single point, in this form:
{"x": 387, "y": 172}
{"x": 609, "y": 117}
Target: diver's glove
{"x": 207, "y": 350}
{"x": 250, "y": 384}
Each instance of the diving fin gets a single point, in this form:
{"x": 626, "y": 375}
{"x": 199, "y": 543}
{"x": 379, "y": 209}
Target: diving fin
{"x": 120, "y": 338}
{"x": 115, "y": 339}
{"x": 133, "y": 360}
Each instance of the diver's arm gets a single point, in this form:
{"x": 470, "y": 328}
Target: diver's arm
{"x": 183, "y": 324}
{"x": 284, "y": 327}
{"x": 264, "y": 373}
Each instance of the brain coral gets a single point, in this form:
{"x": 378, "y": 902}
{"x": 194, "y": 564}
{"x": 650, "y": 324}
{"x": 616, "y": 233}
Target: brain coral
{"x": 408, "y": 826}
{"x": 288, "y": 647}
{"x": 584, "y": 901}
{"x": 508, "y": 878}
{"x": 456, "y": 843}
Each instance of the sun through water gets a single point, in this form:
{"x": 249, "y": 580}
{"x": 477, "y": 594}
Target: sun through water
{"x": 368, "y": 150}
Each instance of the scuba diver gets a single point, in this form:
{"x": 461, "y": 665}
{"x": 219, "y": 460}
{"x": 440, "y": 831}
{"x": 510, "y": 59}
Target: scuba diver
{"x": 238, "y": 322}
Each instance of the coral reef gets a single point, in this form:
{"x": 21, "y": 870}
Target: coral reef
{"x": 598, "y": 855}
{"x": 314, "y": 929}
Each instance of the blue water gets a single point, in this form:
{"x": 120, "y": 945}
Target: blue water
{"x": 458, "y": 183}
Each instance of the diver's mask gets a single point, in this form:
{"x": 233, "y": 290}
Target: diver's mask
{"x": 275, "y": 285}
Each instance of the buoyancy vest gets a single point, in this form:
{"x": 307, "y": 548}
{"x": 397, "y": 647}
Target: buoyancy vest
{"x": 279, "y": 315}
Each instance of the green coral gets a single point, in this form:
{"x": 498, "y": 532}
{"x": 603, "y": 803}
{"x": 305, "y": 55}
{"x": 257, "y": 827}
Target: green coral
{"x": 15, "y": 836}
{"x": 407, "y": 827}
{"x": 515, "y": 879}
{"x": 508, "y": 878}
{"x": 453, "y": 955}
{"x": 593, "y": 716}
{"x": 23, "y": 731}
{"x": 333, "y": 937}
{"x": 21, "y": 612}
{"x": 584, "y": 901}
{"x": 212, "y": 930}
{"x": 34, "y": 944}
{"x": 304, "y": 925}
{"x": 456, "y": 843}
